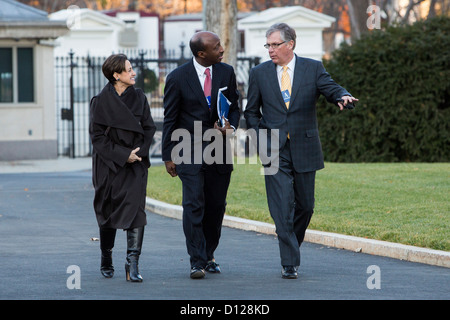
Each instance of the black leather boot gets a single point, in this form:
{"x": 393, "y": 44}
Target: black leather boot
{"x": 107, "y": 237}
{"x": 134, "y": 245}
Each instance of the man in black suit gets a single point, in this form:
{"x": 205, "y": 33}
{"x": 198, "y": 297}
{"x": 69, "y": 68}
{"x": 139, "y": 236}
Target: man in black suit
{"x": 282, "y": 97}
{"x": 190, "y": 103}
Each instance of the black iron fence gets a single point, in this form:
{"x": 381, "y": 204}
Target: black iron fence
{"x": 78, "y": 79}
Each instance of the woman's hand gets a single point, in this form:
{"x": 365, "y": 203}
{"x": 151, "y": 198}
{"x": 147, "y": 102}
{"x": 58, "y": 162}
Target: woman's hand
{"x": 133, "y": 157}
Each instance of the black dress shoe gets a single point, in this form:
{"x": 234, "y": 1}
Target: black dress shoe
{"x": 197, "y": 273}
{"x": 212, "y": 267}
{"x": 289, "y": 272}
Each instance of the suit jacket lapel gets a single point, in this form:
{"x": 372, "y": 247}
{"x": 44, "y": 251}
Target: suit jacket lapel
{"x": 215, "y": 84}
{"x": 299, "y": 78}
{"x": 194, "y": 83}
{"x": 273, "y": 83}
{"x": 216, "y": 81}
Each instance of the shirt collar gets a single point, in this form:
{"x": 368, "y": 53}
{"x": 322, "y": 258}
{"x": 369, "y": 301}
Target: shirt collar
{"x": 290, "y": 65}
{"x": 201, "y": 69}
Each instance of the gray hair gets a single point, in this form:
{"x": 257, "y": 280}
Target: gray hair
{"x": 286, "y": 32}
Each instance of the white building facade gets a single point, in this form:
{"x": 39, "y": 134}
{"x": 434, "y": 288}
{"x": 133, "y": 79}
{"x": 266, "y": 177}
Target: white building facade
{"x": 308, "y": 25}
{"x": 252, "y": 27}
{"x": 102, "y": 33}
{"x": 27, "y": 104}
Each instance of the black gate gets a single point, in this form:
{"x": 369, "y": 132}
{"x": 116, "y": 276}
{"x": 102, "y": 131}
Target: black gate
{"x": 78, "y": 79}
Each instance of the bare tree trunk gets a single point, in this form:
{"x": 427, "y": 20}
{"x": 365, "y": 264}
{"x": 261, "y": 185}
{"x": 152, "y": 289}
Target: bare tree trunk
{"x": 220, "y": 17}
{"x": 410, "y": 8}
{"x": 432, "y": 9}
{"x": 353, "y": 21}
{"x": 211, "y": 15}
{"x": 357, "y": 10}
{"x": 229, "y": 31}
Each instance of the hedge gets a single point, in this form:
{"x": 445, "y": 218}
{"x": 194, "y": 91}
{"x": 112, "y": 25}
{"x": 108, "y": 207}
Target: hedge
{"x": 401, "y": 76}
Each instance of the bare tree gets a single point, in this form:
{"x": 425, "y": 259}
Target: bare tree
{"x": 220, "y": 17}
{"x": 357, "y": 11}
{"x": 409, "y": 13}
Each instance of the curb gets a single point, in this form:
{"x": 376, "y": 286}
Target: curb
{"x": 356, "y": 244}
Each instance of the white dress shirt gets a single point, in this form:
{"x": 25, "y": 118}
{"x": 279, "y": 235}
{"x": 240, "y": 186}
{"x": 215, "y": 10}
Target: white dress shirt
{"x": 290, "y": 71}
{"x": 201, "y": 77}
{"x": 201, "y": 72}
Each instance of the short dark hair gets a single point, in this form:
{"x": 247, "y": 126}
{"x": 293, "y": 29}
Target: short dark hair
{"x": 286, "y": 32}
{"x": 114, "y": 63}
{"x": 196, "y": 44}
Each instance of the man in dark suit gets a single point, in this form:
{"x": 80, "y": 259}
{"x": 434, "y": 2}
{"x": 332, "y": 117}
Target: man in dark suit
{"x": 282, "y": 97}
{"x": 190, "y": 103}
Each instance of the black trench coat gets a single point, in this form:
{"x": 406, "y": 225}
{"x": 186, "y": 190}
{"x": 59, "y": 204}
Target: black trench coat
{"x": 119, "y": 124}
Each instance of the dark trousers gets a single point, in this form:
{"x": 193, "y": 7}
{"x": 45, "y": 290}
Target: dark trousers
{"x": 290, "y": 196}
{"x": 204, "y": 202}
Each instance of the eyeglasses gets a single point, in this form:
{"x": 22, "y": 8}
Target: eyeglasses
{"x": 273, "y": 45}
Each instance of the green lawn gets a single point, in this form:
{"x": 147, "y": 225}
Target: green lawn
{"x": 399, "y": 202}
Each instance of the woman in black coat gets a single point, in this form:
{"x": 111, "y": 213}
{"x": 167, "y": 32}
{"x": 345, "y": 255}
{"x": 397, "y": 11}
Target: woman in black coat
{"x": 121, "y": 129}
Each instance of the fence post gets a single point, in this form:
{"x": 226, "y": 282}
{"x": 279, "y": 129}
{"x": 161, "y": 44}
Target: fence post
{"x": 141, "y": 76}
{"x": 182, "y": 59}
{"x": 72, "y": 143}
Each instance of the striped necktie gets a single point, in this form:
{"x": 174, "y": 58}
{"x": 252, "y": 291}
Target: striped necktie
{"x": 286, "y": 86}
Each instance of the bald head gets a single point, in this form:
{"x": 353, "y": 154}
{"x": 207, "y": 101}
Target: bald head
{"x": 199, "y": 40}
{"x": 206, "y": 47}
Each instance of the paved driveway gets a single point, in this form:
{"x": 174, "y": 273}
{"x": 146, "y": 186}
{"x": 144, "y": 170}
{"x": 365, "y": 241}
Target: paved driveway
{"x": 46, "y": 226}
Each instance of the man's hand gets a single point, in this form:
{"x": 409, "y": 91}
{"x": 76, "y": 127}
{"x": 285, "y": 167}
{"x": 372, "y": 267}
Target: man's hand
{"x": 171, "y": 168}
{"x": 226, "y": 129}
{"x": 345, "y": 100}
{"x": 133, "y": 157}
